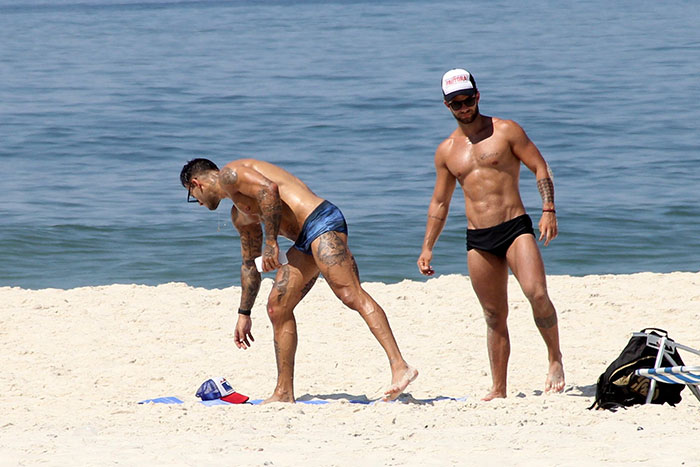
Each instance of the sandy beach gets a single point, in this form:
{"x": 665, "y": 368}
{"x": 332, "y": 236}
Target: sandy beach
{"x": 75, "y": 364}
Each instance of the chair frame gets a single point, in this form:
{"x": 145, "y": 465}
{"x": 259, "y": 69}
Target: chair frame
{"x": 666, "y": 348}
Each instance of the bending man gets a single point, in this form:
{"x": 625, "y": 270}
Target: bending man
{"x": 268, "y": 198}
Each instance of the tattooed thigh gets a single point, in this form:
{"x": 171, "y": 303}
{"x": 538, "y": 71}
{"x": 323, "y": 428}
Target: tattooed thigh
{"x": 308, "y": 286}
{"x": 355, "y": 269}
{"x": 332, "y": 250}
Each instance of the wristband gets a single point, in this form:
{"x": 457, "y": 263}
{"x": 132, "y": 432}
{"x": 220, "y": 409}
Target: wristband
{"x": 241, "y": 311}
{"x": 550, "y": 210}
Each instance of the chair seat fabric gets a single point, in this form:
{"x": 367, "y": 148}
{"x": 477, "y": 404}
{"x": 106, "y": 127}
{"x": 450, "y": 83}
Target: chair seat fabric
{"x": 673, "y": 374}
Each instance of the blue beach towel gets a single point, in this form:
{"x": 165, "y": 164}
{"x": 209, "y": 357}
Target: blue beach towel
{"x": 163, "y": 400}
{"x": 405, "y": 399}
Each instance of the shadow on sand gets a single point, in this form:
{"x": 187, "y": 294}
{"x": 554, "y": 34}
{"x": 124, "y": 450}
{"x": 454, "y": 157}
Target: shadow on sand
{"x": 405, "y": 398}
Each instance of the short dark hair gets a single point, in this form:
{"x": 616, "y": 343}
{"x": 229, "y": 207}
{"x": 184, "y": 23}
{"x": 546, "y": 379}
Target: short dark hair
{"x": 194, "y": 168}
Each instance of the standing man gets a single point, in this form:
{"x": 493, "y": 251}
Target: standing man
{"x": 484, "y": 154}
{"x": 268, "y": 198}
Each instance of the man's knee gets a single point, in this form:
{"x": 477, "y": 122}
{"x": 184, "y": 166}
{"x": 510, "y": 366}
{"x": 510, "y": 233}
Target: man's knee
{"x": 273, "y": 311}
{"x": 351, "y": 298}
{"x": 496, "y": 317}
{"x": 277, "y": 312}
{"x": 538, "y": 297}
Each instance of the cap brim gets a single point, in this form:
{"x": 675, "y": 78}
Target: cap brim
{"x": 461, "y": 92}
{"x": 235, "y": 398}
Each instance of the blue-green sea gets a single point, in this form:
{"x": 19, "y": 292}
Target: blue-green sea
{"x": 102, "y": 102}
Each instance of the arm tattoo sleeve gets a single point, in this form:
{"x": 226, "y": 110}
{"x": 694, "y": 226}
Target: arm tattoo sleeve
{"x": 251, "y": 247}
{"x": 250, "y": 284}
{"x": 271, "y": 210}
{"x": 251, "y": 242}
{"x": 546, "y": 187}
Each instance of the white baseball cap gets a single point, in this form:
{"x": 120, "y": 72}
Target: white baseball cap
{"x": 458, "y": 82}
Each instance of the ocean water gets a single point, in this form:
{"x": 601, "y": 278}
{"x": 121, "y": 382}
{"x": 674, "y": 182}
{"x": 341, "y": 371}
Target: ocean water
{"x": 102, "y": 102}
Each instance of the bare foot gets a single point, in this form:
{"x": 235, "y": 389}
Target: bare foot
{"x": 555, "y": 378}
{"x": 279, "y": 398}
{"x": 494, "y": 394}
{"x": 399, "y": 383}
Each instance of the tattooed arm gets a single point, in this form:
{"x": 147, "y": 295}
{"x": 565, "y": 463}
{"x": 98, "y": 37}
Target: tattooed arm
{"x": 546, "y": 187}
{"x": 266, "y": 192}
{"x": 251, "y": 247}
{"x": 271, "y": 209}
{"x": 525, "y": 150}
{"x": 548, "y": 222}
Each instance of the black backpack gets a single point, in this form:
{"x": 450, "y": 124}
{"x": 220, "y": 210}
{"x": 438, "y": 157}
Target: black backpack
{"x": 618, "y": 386}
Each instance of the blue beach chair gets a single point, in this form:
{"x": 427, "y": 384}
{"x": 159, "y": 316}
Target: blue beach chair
{"x": 688, "y": 375}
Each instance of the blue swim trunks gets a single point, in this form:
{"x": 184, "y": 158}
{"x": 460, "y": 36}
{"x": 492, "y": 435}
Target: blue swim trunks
{"x": 325, "y": 218}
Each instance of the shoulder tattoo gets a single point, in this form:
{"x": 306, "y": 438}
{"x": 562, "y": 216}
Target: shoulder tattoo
{"x": 229, "y": 176}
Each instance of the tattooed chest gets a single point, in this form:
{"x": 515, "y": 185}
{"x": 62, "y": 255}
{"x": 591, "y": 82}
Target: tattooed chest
{"x": 247, "y": 206}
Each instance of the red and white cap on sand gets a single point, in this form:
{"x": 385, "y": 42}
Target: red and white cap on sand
{"x": 219, "y": 388}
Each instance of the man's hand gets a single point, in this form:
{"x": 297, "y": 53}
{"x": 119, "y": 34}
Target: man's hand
{"x": 548, "y": 227}
{"x": 424, "y": 260}
{"x": 242, "y": 334}
{"x": 270, "y": 256}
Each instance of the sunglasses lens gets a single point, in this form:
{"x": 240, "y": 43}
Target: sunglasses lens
{"x": 469, "y": 101}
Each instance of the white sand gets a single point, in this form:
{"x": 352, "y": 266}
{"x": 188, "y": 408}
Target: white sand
{"x": 76, "y": 362}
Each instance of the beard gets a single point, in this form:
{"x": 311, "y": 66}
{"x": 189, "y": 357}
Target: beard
{"x": 470, "y": 118}
{"x": 213, "y": 204}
